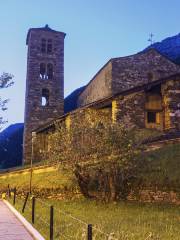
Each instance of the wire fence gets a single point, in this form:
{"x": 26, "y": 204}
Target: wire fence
{"x": 52, "y": 222}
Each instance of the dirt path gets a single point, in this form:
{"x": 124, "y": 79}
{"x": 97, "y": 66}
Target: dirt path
{"x": 10, "y": 227}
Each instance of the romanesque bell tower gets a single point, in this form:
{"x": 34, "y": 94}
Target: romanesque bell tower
{"x": 44, "y": 99}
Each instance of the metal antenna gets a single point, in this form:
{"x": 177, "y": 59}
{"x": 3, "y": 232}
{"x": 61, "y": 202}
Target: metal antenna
{"x": 151, "y": 40}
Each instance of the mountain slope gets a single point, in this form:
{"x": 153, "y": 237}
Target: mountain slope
{"x": 11, "y": 140}
{"x": 169, "y": 47}
{"x": 70, "y": 102}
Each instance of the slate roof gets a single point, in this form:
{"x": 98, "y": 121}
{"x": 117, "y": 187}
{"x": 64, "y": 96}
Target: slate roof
{"x": 107, "y": 100}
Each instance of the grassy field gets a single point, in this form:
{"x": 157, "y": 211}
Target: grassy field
{"x": 162, "y": 168}
{"x": 124, "y": 220}
{"x": 44, "y": 182}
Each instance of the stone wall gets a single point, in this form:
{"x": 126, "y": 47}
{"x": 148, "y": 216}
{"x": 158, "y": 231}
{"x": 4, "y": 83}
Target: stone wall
{"x": 171, "y": 101}
{"x": 130, "y": 109}
{"x": 35, "y": 113}
{"x": 123, "y": 73}
{"x": 139, "y": 69}
{"x": 155, "y": 196}
{"x": 98, "y": 88}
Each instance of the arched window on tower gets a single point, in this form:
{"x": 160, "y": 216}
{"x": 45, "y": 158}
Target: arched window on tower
{"x": 45, "y": 97}
{"x": 49, "y": 71}
{"x": 49, "y": 46}
{"x": 43, "y": 45}
{"x": 42, "y": 72}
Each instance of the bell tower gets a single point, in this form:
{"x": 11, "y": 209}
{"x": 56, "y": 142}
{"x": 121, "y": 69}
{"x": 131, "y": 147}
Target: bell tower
{"x": 44, "y": 98}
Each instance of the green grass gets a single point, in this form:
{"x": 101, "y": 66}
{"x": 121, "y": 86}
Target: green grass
{"x": 162, "y": 168}
{"x": 124, "y": 220}
{"x": 44, "y": 183}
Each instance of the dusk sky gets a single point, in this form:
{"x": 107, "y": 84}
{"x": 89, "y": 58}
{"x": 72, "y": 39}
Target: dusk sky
{"x": 97, "y": 30}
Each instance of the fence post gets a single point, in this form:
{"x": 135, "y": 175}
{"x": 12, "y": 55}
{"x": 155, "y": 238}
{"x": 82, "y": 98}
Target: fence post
{"x": 27, "y": 195}
{"x": 51, "y": 222}
{"x": 89, "y": 232}
{"x": 9, "y": 191}
{"x": 14, "y": 200}
{"x": 33, "y": 209}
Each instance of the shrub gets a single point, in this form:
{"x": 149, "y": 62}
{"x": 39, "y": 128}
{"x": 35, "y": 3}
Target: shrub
{"x": 104, "y": 157}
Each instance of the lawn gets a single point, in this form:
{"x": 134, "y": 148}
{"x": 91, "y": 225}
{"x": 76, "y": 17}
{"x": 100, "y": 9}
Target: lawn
{"x": 162, "y": 168}
{"x": 43, "y": 182}
{"x": 123, "y": 220}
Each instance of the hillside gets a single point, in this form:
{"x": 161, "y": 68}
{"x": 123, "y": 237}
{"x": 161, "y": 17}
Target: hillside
{"x": 58, "y": 187}
{"x": 169, "y": 47}
{"x": 11, "y": 140}
{"x": 159, "y": 171}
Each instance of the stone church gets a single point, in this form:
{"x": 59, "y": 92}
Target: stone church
{"x": 141, "y": 90}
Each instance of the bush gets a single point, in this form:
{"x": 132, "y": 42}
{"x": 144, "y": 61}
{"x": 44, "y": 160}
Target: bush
{"x": 104, "y": 157}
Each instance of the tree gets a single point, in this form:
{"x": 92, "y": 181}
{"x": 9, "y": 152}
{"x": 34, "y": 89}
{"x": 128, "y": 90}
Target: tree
{"x": 104, "y": 157}
{"x": 5, "y": 82}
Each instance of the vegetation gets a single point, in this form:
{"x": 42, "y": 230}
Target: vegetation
{"x": 122, "y": 221}
{"x": 161, "y": 168}
{"x": 104, "y": 157}
{"x": 48, "y": 183}
{"x": 5, "y": 82}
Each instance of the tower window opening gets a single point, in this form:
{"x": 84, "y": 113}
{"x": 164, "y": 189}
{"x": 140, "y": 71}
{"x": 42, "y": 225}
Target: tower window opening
{"x": 45, "y": 97}
{"x": 42, "y": 72}
{"x": 49, "y": 46}
{"x": 43, "y": 45}
{"x": 49, "y": 71}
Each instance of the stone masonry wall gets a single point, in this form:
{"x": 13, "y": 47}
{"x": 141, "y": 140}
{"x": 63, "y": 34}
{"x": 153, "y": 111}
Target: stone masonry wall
{"x": 139, "y": 69}
{"x": 98, "y": 88}
{"x": 171, "y": 101}
{"x": 130, "y": 109}
{"x": 123, "y": 73}
{"x": 36, "y": 114}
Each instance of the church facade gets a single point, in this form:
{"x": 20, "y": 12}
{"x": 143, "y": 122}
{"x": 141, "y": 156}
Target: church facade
{"x": 141, "y": 90}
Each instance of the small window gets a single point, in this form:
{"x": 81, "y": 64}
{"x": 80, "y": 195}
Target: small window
{"x": 45, "y": 97}
{"x": 43, "y": 45}
{"x": 42, "y": 72}
{"x": 151, "y": 117}
{"x": 49, "y": 71}
{"x": 46, "y": 46}
{"x": 49, "y": 46}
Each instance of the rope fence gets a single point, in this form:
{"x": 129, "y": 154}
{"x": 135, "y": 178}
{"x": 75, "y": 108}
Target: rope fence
{"x": 52, "y": 222}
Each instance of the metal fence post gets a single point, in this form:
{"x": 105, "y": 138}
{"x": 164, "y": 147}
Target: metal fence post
{"x": 51, "y": 222}
{"x": 27, "y": 195}
{"x": 89, "y": 232}
{"x": 14, "y": 199}
{"x": 33, "y": 210}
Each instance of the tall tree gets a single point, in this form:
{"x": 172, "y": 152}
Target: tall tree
{"x": 5, "y": 82}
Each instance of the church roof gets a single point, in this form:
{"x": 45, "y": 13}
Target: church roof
{"x": 107, "y": 100}
{"x": 127, "y": 63}
{"x": 45, "y": 28}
